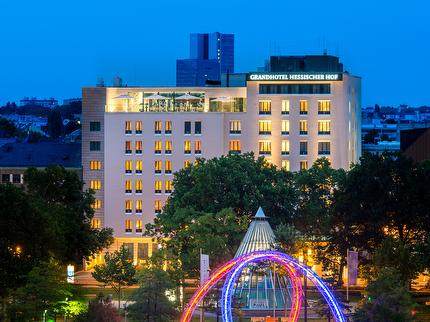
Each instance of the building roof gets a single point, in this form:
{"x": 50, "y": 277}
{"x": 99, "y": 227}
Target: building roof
{"x": 259, "y": 236}
{"x": 40, "y": 154}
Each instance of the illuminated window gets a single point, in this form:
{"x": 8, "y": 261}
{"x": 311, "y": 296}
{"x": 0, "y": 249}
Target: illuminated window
{"x": 187, "y": 127}
{"x": 139, "y": 127}
{"x": 95, "y": 126}
{"x": 157, "y": 147}
{"x": 95, "y": 146}
{"x": 303, "y": 165}
{"x": 128, "y": 226}
{"x": 138, "y": 186}
{"x": 265, "y": 107}
{"x": 139, "y": 147}
{"x": 95, "y": 223}
{"x": 95, "y": 184}
{"x": 157, "y": 166}
{"x": 139, "y": 206}
{"x": 303, "y": 107}
{"x": 95, "y": 165}
{"x": 286, "y": 165}
{"x": 323, "y": 127}
{"x": 138, "y": 226}
{"x": 303, "y": 127}
{"x": 324, "y": 148}
{"x": 324, "y": 107}
{"x": 168, "y": 186}
{"x": 198, "y": 127}
{"x": 168, "y": 127}
{"x": 235, "y": 146}
{"x": 128, "y": 147}
{"x": 128, "y": 127}
{"x": 168, "y": 167}
{"x": 158, "y": 127}
{"x": 128, "y": 206}
{"x": 187, "y": 147}
{"x": 139, "y": 166}
{"x": 128, "y": 166}
{"x": 168, "y": 146}
{"x": 187, "y": 163}
{"x": 235, "y": 127}
{"x": 285, "y": 149}
{"x": 264, "y": 127}
{"x": 157, "y": 206}
{"x": 198, "y": 147}
{"x": 285, "y": 130}
{"x": 97, "y": 204}
{"x": 265, "y": 147}
{"x": 303, "y": 148}
{"x": 128, "y": 186}
{"x": 157, "y": 186}
{"x": 285, "y": 107}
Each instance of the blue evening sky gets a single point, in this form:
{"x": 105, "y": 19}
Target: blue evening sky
{"x": 53, "y": 48}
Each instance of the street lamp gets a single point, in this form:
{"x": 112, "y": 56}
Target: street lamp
{"x": 65, "y": 310}
{"x": 44, "y": 315}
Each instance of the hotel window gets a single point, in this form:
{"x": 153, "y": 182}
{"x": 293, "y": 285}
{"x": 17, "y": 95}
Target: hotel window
{"x": 198, "y": 147}
{"x": 16, "y": 178}
{"x": 157, "y": 206}
{"x": 128, "y": 206}
{"x": 142, "y": 252}
{"x": 168, "y": 147}
{"x": 128, "y": 226}
{"x": 94, "y": 145}
{"x": 265, "y": 127}
{"x": 168, "y": 167}
{"x": 235, "y": 146}
{"x": 95, "y": 223}
{"x": 265, "y": 107}
{"x": 138, "y": 226}
{"x": 303, "y": 148}
{"x": 285, "y": 127}
{"x": 157, "y": 127}
{"x": 265, "y": 147}
{"x": 139, "y": 127}
{"x": 198, "y": 127}
{"x": 128, "y": 127}
{"x": 139, "y": 147}
{"x": 303, "y": 127}
{"x": 187, "y": 127}
{"x": 138, "y": 186}
{"x": 157, "y": 186}
{"x": 128, "y": 186}
{"x": 139, "y": 206}
{"x": 187, "y": 147}
{"x": 5, "y": 178}
{"x": 128, "y": 166}
{"x": 95, "y": 184}
{"x": 168, "y": 186}
{"x": 187, "y": 163}
{"x": 285, "y": 165}
{"x": 95, "y": 126}
{"x": 157, "y": 166}
{"x": 324, "y": 148}
{"x": 128, "y": 147}
{"x": 303, "y": 107}
{"x": 285, "y": 149}
{"x": 323, "y": 127}
{"x": 139, "y": 166}
{"x": 129, "y": 247}
{"x": 157, "y": 147}
{"x": 97, "y": 204}
{"x": 285, "y": 107}
{"x": 324, "y": 107}
{"x": 235, "y": 127}
{"x": 303, "y": 165}
{"x": 95, "y": 165}
{"x": 168, "y": 127}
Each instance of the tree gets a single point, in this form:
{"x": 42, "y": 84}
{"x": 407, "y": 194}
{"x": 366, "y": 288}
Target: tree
{"x": 55, "y": 124}
{"x": 118, "y": 271}
{"x": 100, "y": 309}
{"x": 7, "y": 128}
{"x": 151, "y": 302}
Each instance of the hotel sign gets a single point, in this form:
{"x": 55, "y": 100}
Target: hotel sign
{"x": 300, "y": 77}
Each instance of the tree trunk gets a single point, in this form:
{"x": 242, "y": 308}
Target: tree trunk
{"x": 119, "y": 298}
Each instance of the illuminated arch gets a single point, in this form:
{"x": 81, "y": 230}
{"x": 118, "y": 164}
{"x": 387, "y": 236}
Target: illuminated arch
{"x": 236, "y": 265}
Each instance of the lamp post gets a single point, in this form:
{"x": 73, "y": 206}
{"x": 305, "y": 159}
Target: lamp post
{"x": 65, "y": 310}
{"x": 44, "y": 315}
{"x": 305, "y": 284}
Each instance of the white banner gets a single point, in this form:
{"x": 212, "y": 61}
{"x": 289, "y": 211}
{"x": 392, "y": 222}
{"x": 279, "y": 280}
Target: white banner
{"x": 204, "y": 268}
{"x": 352, "y": 267}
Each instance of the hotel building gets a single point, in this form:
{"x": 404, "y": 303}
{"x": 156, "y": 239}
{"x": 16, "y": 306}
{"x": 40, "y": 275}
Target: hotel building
{"x": 135, "y": 138}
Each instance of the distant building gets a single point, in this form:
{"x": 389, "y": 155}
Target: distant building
{"x": 34, "y": 101}
{"x": 306, "y": 64}
{"x": 211, "y": 55}
{"x": 68, "y": 101}
{"x": 415, "y": 143}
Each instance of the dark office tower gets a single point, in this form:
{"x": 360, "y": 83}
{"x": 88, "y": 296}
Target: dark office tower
{"x": 211, "y": 54}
